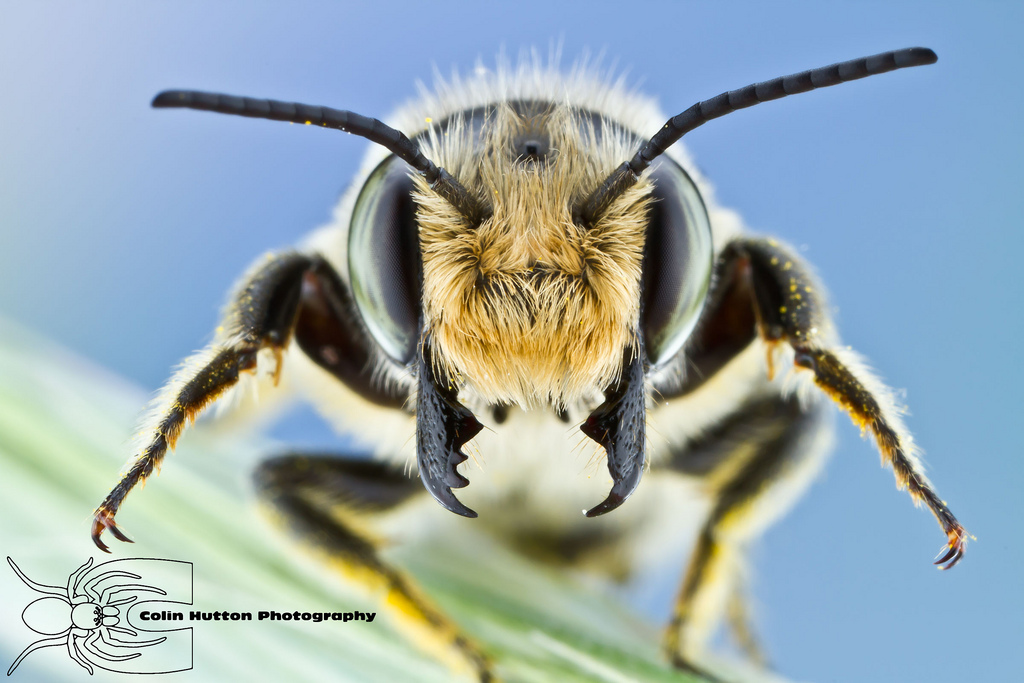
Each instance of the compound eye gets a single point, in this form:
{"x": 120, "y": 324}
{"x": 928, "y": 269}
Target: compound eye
{"x": 677, "y": 262}
{"x": 384, "y": 259}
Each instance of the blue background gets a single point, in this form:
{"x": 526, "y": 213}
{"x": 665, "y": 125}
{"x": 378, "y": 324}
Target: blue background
{"x": 122, "y": 228}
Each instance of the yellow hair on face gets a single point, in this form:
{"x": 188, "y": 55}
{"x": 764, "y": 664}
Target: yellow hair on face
{"x": 530, "y": 307}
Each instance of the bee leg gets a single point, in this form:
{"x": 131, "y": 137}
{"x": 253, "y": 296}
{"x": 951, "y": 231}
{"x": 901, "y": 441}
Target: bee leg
{"x": 790, "y": 308}
{"x": 319, "y": 499}
{"x": 278, "y": 293}
{"x": 741, "y": 625}
{"x": 756, "y": 461}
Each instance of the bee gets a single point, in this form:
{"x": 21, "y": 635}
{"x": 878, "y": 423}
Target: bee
{"x": 531, "y": 251}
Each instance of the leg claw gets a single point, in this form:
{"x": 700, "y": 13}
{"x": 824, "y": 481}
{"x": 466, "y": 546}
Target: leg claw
{"x": 104, "y": 520}
{"x": 954, "y": 549}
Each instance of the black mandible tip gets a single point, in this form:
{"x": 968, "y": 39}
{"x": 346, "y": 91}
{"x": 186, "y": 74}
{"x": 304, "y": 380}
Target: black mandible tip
{"x": 626, "y": 175}
{"x": 372, "y": 129}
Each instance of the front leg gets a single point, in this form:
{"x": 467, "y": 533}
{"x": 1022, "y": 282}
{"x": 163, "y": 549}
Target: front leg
{"x": 284, "y": 295}
{"x": 789, "y": 308}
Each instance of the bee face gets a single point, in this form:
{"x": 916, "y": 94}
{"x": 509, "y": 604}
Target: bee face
{"x": 530, "y": 305}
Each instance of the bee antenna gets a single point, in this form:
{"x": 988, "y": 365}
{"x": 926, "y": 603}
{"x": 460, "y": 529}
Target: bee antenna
{"x": 372, "y": 129}
{"x": 626, "y": 175}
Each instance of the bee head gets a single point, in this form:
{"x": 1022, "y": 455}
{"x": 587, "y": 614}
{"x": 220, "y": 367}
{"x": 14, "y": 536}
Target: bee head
{"x": 532, "y": 304}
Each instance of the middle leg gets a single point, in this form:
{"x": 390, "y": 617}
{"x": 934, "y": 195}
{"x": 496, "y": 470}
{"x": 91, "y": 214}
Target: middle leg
{"x": 324, "y": 501}
{"x": 757, "y": 462}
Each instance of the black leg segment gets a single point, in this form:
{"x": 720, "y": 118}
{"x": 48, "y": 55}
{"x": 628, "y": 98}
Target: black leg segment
{"x": 362, "y": 484}
{"x": 330, "y": 331}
